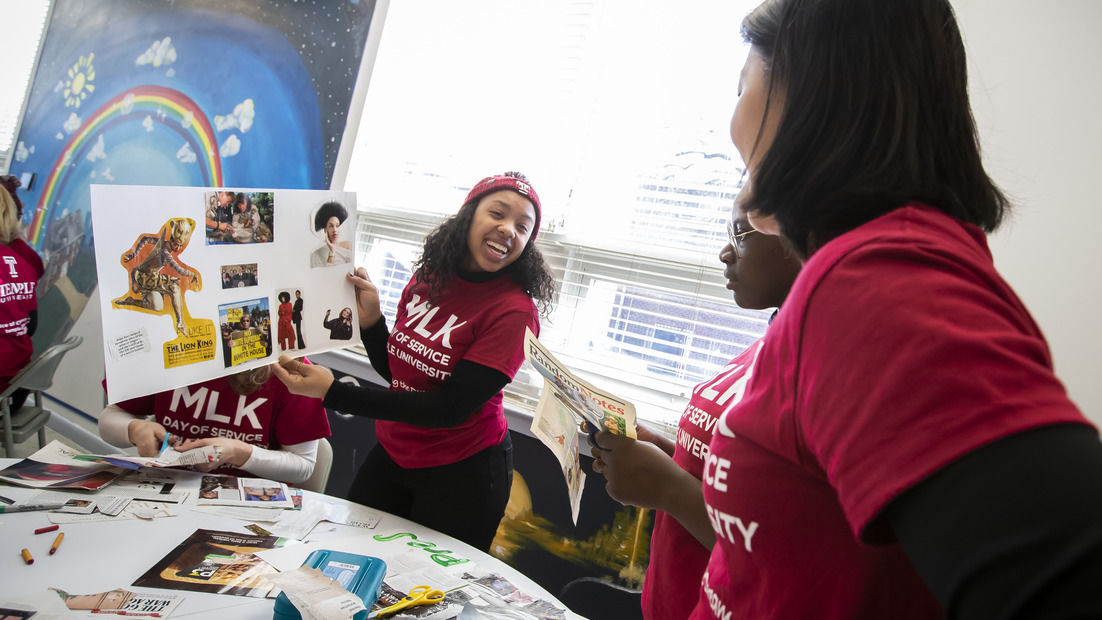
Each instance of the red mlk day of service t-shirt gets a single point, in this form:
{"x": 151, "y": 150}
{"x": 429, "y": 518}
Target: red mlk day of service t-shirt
{"x": 899, "y": 350}
{"x": 269, "y": 417}
{"x": 677, "y": 559}
{"x": 482, "y": 322}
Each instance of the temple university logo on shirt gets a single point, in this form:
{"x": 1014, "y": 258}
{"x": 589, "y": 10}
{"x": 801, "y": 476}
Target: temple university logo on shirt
{"x": 15, "y": 291}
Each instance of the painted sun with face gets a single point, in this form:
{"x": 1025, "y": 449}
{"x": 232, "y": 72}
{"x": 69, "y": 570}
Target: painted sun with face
{"x": 79, "y": 81}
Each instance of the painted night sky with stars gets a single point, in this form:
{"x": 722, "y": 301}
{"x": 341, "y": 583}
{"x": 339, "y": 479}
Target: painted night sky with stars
{"x": 219, "y": 93}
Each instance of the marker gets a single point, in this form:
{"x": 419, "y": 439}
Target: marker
{"x": 6, "y": 500}
{"x": 48, "y": 528}
{"x": 57, "y": 542}
{"x": 27, "y": 556}
{"x": 30, "y": 507}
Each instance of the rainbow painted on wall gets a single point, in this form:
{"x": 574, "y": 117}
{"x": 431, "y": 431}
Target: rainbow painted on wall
{"x": 166, "y": 106}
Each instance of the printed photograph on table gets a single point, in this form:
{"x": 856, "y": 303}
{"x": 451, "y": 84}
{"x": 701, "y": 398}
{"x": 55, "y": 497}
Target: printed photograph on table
{"x": 215, "y": 562}
{"x": 236, "y": 491}
{"x": 180, "y": 307}
{"x": 246, "y": 331}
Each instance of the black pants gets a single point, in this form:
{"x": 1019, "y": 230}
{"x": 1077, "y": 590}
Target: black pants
{"x": 298, "y": 332}
{"x": 464, "y": 500}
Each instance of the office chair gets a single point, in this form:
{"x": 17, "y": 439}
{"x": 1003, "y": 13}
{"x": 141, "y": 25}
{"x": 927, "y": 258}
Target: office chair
{"x": 320, "y": 478}
{"x": 36, "y": 376}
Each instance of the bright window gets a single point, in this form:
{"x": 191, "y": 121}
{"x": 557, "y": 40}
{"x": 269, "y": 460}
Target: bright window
{"x": 617, "y": 111}
{"x": 24, "y": 22}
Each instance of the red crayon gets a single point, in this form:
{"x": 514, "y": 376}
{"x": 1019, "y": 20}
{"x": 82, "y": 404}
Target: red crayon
{"x": 48, "y": 528}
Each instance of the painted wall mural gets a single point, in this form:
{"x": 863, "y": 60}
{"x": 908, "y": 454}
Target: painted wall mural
{"x": 222, "y": 93}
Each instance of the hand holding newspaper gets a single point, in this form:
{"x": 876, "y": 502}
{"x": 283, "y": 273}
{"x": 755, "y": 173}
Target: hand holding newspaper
{"x": 565, "y": 401}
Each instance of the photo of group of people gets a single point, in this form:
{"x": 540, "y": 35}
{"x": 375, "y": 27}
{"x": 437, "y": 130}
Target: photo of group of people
{"x": 240, "y": 217}
{"x": 246, "y": 331}
{"x": 239, "y": 276}
{"x": 268, "y": 279}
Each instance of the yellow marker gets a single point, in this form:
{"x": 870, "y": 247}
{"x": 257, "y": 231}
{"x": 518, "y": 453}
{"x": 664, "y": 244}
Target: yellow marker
{"x": 57, "y": 542}
{"x": 27, "y": 557}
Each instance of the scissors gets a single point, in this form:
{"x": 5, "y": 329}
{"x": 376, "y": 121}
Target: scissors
{"x": 420, "y": 595}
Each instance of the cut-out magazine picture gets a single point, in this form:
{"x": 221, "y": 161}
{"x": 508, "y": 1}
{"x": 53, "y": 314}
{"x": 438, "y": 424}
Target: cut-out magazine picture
{"x": 215, "y": 562}
{"x": 191, "y": 279}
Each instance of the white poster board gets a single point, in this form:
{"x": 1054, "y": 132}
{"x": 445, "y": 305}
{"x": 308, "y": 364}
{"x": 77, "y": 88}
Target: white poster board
{"x": 197, "y": 283}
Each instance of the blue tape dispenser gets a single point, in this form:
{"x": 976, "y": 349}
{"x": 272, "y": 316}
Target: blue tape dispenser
{"x": 361, "y": 575}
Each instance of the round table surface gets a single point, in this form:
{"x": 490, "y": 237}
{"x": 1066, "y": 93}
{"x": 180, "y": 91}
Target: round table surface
{"x": 98, "y": 556}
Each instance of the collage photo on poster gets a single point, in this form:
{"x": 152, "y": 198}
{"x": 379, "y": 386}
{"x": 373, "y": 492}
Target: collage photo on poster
{"x": 204, "y": 282}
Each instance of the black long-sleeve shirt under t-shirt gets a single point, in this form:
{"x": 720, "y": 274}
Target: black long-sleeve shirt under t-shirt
{"x": 463, "y": 394}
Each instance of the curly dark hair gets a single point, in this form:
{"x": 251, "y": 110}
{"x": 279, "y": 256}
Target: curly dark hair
{"x": 284, "y": 297}
{"x": 446, "y": 247}
{"x": 328, "y": 210}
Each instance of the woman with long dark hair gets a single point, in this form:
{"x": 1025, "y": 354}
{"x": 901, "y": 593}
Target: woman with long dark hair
{"x": 904, "y": 448}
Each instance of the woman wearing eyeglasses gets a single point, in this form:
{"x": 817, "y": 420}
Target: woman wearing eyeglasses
{"x": 904, "y": 449}
{"x": 655, "y": 472}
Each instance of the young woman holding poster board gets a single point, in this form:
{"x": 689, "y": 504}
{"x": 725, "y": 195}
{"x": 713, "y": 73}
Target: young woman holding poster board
{"x": 444, "y": 458}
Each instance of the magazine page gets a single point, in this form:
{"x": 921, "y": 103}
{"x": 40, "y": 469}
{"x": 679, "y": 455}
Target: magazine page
{"x": 197, "y": 283}
{"x": 599, "y": 408}
{"x": 217, "y": 490}
{"x": 215, "y": 562}
{"x": 169, "y": 457}
{"x": 554, "y": 424}
{"x": 54, "y": 467}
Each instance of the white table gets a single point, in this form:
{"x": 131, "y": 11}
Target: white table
{"x": 103, "y": 555}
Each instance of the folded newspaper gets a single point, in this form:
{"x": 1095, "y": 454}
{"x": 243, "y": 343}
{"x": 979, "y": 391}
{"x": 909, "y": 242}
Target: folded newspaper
{"x": 565, "y": 402}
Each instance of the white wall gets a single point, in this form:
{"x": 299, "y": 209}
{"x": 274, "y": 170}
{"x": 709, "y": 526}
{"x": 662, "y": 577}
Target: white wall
{"x": 1035, "y": 71}
{"x": 1036, "y": 80}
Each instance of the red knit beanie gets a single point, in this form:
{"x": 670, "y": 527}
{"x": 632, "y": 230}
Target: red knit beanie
{"x": 505, "y": 181}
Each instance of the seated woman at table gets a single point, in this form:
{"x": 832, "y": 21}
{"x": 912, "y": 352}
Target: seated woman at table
{"x": 262, "y": 429}
{"x": 18, "y": 304}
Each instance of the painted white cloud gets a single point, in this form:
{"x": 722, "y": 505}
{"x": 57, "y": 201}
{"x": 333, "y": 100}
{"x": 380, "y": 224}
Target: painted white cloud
{"x": 99, "y": 151}
{"x": 186, "y": 155}
{"x": 158, "y": 54}
{"x": 147, "y": 122}
{"x": 241, "y": 118}
{"x": 231, "y": 147}
{"x": 127, "y": 103}
{"x": 170, "y": 73}
{"x": 60, "y": 136}
{"x": 22, "y": 152}
{"x": 72, "y": 123}
{"x": 107, "y": 175}
{"x": 189, "y": 116}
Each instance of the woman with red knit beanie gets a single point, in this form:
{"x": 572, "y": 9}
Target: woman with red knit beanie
{"x": 444, "y": 458}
